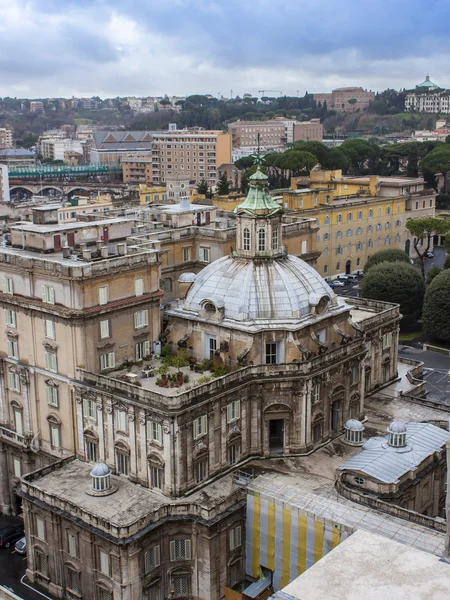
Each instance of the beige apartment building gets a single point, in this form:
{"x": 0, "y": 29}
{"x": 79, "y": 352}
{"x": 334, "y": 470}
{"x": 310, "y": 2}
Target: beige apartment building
{"x": 6, "y": 138}
{"x": 245, "y": 133}
{"x": 339, "y": 98}
{"x": 308, "y": 131}
{"x": 4, "y": 184}
{"x": 72, "y": 295}
{"x": 137, "y": 169}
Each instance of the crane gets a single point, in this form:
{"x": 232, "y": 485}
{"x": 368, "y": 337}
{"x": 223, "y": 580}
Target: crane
{"x": 264, "y": 91}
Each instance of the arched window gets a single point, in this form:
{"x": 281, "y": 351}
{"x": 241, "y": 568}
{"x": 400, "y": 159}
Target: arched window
{"x": 325, "y": 252}
{"x": 388, "y": 210}
{"x": 359, "y": 214}
{"x": 246, "y": 239}
{"x": 339, "y": 218}
{"x": 91, "y": 446}
{"x": 122, "y": 458}
{"x": 378, "y": 241}
{"x": 350, "y": 216}
{"x": 349, "y": 247}
{"x": 73, "y": 577}
{"x": 349, "y": 232}
{"x": 379, "y": 212}
{"x": 326, "y": 236}
{"x": 370, "y": 213}
{"x": 103, "y": 593}
{"x": 317, "y": 429}
{"x": 370, "y": 244}
{"x": 387, "y": 226}
{"x": 156, "y": 471}
{"x": 397, "y": 237}
{"x": 326, "y": 220}
{"x": 234, "y": 450}
{"x": 398, "y": 223}
{"x": 55, "y": 431}
{"x": 274, "y": 239}
{"x": 339, "y": 250}
{"x": 370, "y": 228}
{"x": 41, "y": 562}
{"x": 339, "y": 234}
{"x": 262, "y": 240}
{"x": 379, "y": 226}
{"x": 359, "y": 246}
{"x": 387, "y": 240}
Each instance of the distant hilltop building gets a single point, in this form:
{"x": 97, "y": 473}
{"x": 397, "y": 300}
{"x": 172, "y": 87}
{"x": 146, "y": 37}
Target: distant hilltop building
{"x": 428, "y": 97}
{"x": 347, "y": 99}
{"x": 274, "y": 133}
{"x": 6, "y": 138}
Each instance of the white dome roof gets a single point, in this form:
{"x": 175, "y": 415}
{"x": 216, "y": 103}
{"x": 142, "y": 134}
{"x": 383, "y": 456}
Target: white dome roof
{"x": 187, "y": 277}
{"x": 397, "y": 427}
{"x": 354, "y": 425}
{"x": 283, "y": 288}
{"x": 100, "y": 470}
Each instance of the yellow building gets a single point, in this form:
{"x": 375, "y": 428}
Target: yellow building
{"x": 149, "y": 194}
{"x": 79, "y": 206}
{"x": 357, "y": 215}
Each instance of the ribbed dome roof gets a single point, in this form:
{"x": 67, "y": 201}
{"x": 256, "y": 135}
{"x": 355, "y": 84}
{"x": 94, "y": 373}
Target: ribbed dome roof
{"x": 283, "y": 288}
{"x": 100, "y": 470}
{"x": 354, "y": 425}
{"x": 397, "y": 427}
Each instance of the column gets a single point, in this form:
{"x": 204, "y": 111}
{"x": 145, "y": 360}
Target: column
{"x": 132, "y": 438}
{"x": 5, "y": 495}
{"x": 80, "y": 428}
{"x": 110, "y": 439}
{"x": 142, "y": 470}
{"x": 100, "y": 430}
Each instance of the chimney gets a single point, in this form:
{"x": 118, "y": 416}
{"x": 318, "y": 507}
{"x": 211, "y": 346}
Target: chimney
{"x": 122, "y": 249}
{"x": 104, "y": 251}
{"x": 66, "y": 252}
{"x": 86, "y": 254}
{"x": 185, "y": 203}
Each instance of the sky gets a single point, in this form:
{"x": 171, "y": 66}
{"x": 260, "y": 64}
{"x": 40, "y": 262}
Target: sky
{"x": 61, "y": 48}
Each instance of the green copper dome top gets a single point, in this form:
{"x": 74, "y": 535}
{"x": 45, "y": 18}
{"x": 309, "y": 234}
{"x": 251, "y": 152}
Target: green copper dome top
{"x": 427, "y": 83}
{"x": 258, "y": 201}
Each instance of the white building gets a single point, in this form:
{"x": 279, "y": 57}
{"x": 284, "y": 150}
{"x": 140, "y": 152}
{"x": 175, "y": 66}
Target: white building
{"x": 4, "y": 185}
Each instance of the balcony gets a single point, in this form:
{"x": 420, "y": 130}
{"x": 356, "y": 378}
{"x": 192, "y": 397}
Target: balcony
{"x": 8, "y": 435}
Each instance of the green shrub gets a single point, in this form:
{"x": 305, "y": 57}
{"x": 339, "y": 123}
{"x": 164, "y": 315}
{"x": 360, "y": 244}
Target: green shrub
{"x": 391, "y": 255}
{"x": 436, "y": 307}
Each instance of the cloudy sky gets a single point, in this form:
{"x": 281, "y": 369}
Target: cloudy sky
{"x": 152, "y": 47}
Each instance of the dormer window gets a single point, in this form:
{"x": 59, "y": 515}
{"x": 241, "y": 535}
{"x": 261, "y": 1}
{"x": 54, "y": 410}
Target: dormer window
{"x": 246, "y": 239}
{"x": 274, "y": 239}
{"x": 210, "y": 309}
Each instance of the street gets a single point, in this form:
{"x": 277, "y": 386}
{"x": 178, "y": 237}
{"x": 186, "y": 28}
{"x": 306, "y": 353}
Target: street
{"x": 436, "y": 369}
{"x": 13, "y": 565}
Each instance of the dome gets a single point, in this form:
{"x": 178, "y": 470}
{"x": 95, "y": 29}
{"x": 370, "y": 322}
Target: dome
{"x": 100, "y": 470}
{"x": 397, "y": 427}
{"x": 427, "y": 83}
{"x": 286, "y": 288}
{"x": 374, "y": 443}
{"x": 354, "y": 425}
{"x": 187, "y": 277}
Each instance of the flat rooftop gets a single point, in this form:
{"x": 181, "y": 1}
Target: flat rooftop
{"x": 33, "y": 228}
{"x": 368, "y": 566}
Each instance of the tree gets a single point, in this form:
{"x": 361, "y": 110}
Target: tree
{"x": 246, "y": 176}
{"x": 391, "y": 255}
{"x": 423, "y": 229}
{"x": 447, "y": 242}
{"x": 244, "y": 163}
{"x": 436, "y": 307}
{"x": 353, "y": 102}
{"x": 336, "y": 159}
{"x": 223, "y": 185}
{"x": 438, "y": 161}
{"x": 399, "y": 283}
{"x": 435, "y": 270}
{"x": 202, "y": 187}
{"x": 413, "y": 162}
{"x": 319, "y": 150}
{"x": 296, "y": 161}
{"x": 446, "y": 263}
{"x": 359, "y": 151}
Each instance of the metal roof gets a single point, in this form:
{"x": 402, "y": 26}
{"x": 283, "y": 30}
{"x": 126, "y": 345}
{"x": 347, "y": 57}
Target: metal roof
{"x": 388, "y": 464}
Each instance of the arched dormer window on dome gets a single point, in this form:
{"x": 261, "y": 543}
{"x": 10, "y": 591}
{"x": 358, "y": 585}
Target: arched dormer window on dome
{"x": 101, "y": 478}
{"x": 397, "y": 434}
{"x": 354, "y": 431}
{"x": 261, "y": 240}
{"x": 246, "y": 239}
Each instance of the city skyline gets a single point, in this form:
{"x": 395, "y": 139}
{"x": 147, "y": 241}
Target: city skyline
{"x": 184, "y": 47}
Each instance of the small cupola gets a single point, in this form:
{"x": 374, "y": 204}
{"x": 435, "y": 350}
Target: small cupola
{"x": 354, "y": 431}
{"x": 397, "y": 434}
{"x": 101, "y": 481}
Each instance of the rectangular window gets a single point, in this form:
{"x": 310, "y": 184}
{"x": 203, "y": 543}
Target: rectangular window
{"x": 152, "y": 558}
{"x": 186, "y": 254}
{"x": 122, "y": 463}
{"x": 233, "y": 411}
{"x": 204, "y": 254}
{"x": 234, "y": 453}
{"x": 48, "y": 294}
{"x": 41, "y": 563}
{"x": 103, "y": 295}
{"x": 156, "y": 477}
{"x": 73, "y": 580}
{"x": 17, "y": 468}
{"x": 104, "y": 329}
{"x": 140, "y": 319}
{"x": 387, "y": 340}
{"x": 153, "y": 592}
{"x": 49, "y": 329}
{"x": 50, "y": 361}
{"x": 13, "y": 381}
{"x": 200, "y": 426}
{"x": 13, "y": 349}
{"x": 89, "y": 408}
{"x": 18, "y": 422}
{"x": 91, "y": 450}
{"x": 322, "y": 335}
{"x": 104, "y": 563}
{"x": 107, "y": 361}
{"x": 271, "y": 354}
{"x": 72, "y": 545}
{"x": 51, "y": 393}
{"x": 180, "y": 585}
{"x": 235, "y": 537}
{"x": 139, "y": 286}
{"x": 8, "y": 285}
{"x": 180, "y": 549}
{"x": 315, "y": 394}
{"x": 154, "y": 432}
{"x": 10, "y": 318}
{"x": 355, "y": 373}
{"x": 121, "y": 420}
{"x": 201, "y": 470}
{"x": 142, "y": 350}
{"x": 40, "y": 528}
{"x": 55, "y": 436}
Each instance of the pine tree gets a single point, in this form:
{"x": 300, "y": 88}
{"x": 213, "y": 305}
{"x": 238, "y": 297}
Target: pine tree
{"x": 202, "y": 187}
{"x": 223, "y": 185}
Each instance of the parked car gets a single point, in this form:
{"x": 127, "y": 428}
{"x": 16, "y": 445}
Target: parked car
{"x": 9, "y": 535}
{"x": 338, "y": 283}
{"x": 352, "y": 279}
{"x": 21, "y": 546}
{"x": 331, "y": 284}
{"x": 429, "y": 254}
